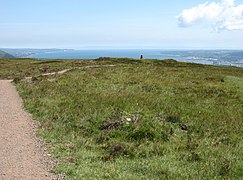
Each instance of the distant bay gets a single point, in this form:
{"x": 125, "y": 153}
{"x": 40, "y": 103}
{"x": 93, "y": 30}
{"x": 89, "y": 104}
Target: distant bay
{"x": 214, "y": 57}
{"x": 93, "y": 54}
{"x": 121, "y": 53}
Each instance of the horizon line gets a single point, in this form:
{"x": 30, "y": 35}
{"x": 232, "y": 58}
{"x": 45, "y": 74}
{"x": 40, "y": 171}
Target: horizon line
{"x": 109, "y": 48}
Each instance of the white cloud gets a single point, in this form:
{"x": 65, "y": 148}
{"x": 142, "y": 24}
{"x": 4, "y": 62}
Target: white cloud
{"x": 224, "y": 15}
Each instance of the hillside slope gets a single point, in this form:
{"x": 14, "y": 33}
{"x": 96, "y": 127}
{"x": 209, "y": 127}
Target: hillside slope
{"x": 137, "y": 119}
{"x": 5, "y": 55}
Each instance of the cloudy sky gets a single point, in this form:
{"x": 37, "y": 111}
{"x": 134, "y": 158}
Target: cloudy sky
{"x": 174, "y": 24}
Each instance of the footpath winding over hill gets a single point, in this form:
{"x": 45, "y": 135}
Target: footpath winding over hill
{"x": 21, "y": 155}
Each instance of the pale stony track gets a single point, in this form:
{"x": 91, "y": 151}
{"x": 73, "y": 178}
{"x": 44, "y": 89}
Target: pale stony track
{"x": 67, "y": 70}
{"x": 22, "y": 156}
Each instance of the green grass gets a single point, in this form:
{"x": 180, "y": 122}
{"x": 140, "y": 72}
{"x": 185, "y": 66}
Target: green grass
{"x": 20, "y": 68}
{"x": 140, "y": 119}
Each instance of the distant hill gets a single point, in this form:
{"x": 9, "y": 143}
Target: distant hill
{"x": 5, "y": 55}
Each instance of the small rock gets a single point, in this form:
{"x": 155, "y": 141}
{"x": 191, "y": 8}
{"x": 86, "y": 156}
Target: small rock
{"x": 184, "y": 127}
{"x": 129, "y": 119}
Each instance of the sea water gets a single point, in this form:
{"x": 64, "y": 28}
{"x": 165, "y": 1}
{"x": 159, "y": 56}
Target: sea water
{"x": 121, "y": 53}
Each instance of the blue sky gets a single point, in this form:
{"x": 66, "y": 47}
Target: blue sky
{"x": 78, "y": 24}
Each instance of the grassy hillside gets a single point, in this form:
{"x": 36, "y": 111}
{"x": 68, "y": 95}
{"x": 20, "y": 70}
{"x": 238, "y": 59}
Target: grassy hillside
{"x": 20, "y": 68}
{"x": 5, "y": 55}
{"x": 139, "y": 119}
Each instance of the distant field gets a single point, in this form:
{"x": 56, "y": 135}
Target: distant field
{"x": 140, "y": 119}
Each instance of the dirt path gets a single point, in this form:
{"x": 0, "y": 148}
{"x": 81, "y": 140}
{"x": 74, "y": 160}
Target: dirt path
{"x": 85, "y": 67}
{"x": 67, "y": 70}
{"x": 21, "y": 155}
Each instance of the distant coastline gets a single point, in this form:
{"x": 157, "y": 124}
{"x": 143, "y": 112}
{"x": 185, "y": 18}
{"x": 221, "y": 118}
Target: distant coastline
{"x": 211, "y": 57}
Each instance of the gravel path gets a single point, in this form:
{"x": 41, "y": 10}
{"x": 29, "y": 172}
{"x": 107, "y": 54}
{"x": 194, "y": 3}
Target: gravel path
{"x": 22, "y": 156}
{"x": 67, "y": 70}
